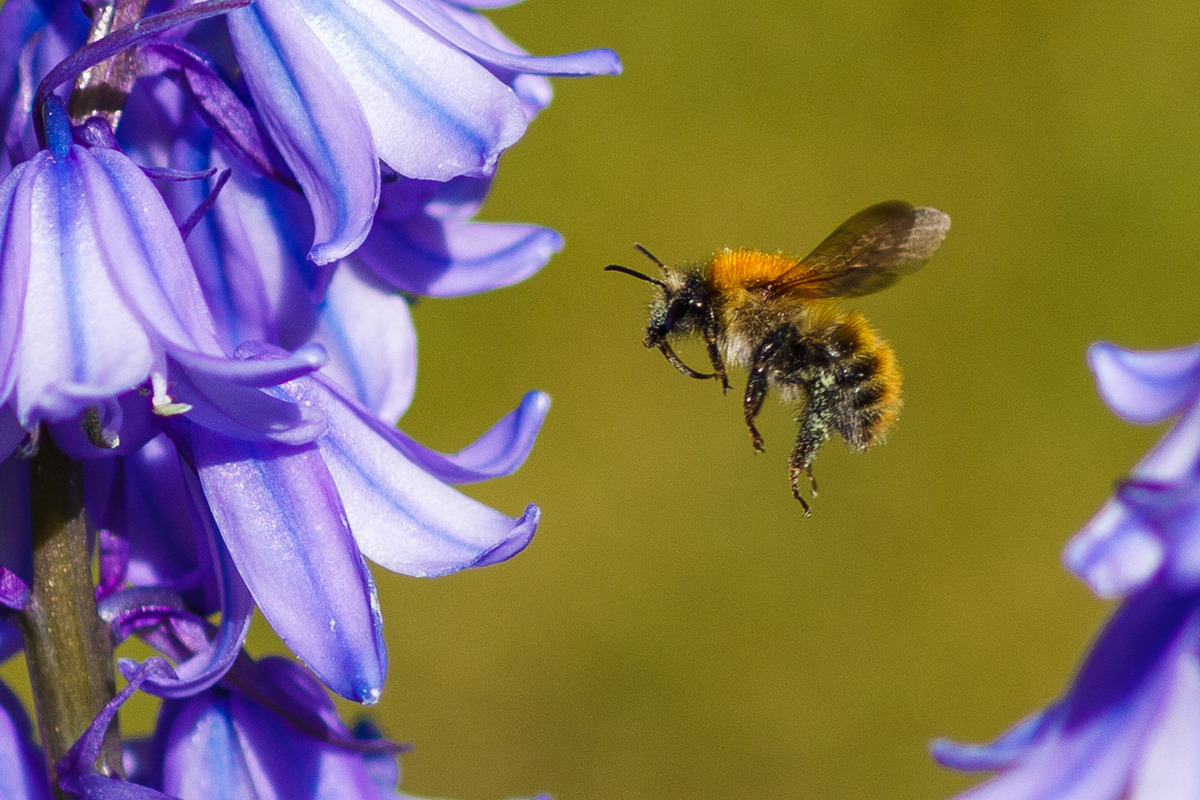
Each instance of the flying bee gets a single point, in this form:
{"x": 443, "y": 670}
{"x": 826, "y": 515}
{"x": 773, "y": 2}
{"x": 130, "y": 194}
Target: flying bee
{"x": 771, "y": 315}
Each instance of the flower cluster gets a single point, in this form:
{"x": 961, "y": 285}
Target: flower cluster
{"x": 1129, "y": 725}
{"x": 207, "y": 252}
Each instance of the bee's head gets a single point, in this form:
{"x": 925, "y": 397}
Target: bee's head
{"x": 679, "y": 306}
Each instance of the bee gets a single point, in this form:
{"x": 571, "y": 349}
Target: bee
{"x": 771, "y": 315}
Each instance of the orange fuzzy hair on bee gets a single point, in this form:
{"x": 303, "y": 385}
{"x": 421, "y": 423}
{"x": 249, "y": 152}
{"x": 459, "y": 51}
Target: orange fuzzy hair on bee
{"x": 731, "y": 269}
{"x": 884, "y": 383}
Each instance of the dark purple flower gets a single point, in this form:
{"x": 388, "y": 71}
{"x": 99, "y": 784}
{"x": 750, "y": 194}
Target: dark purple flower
{"x": 1129, "y": 725}
{"x": 278, "y": 735}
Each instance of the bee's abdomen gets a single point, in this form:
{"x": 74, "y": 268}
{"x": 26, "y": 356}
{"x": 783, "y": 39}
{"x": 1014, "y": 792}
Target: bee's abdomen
{"x": 853, "y": 380}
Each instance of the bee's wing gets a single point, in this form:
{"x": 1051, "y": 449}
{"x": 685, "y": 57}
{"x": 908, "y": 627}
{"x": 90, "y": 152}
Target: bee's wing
{"x": 868, "y": 252}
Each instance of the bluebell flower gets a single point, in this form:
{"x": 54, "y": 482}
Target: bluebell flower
{"x": 1129, "y": 725}
{"x": 250, "y": 255}
{"x": 296, "y": 520}
{"x": 227, "y": 352}
{"x": 424, "y": 86}
{"x": 99, "y": 304}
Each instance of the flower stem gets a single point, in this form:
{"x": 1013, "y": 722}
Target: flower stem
{"x": 103, "y": 89}
{"x": 67, "y": 648}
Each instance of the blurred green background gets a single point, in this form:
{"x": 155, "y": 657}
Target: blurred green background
{"x": 677, "y": 629}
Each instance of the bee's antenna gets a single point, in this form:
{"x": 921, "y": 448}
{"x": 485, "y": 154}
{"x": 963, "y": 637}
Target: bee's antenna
{"x": 650, "y": 256}
{"x": 636, "y": 274}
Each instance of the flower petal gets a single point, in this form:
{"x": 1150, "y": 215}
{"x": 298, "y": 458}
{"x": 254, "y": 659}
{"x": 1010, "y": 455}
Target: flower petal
{"x": 587, "y": 62}
{"x": 281, "y": 519}
{"x": 225, "y": 744}
{"x": 242, "y": 412}
{"x": 77, "y": 769}
{"x": 141, "y": 243}
{"x": 11, "y": 640}
{"x": 533, "y": 90}
{"x": 434, "y": 111}
{"x": 498, "y": 452}
{"x": 109, "y": 289}
{"x": 314, "y": 118}
{"x": 11, "y": 432}
{"x": 202, "y": 754}
{"x": 1116, "y": 552}
{"x": 1004, "y": 752}
{"x": 143, "y": 499}
{"x": 260, "y": 278}
{"x": 449, "y": 258}
{"x": 1175, "y": 457}
{"x": 1146, "y": 386}
{"x": 368, "y": 332}
{"x": 1090, "y": 742}
{"x": 1169, "y": 769}
{"x": 16, "y": 234}
{"x": 403, "y": 518}
{"x": 208, "y": 664}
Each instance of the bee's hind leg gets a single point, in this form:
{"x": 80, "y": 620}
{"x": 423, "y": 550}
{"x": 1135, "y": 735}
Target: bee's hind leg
{"x": 814, "y": 430}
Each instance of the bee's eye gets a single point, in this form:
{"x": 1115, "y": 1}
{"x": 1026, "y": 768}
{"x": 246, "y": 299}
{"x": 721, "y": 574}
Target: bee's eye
{"x": 672, "y": 318}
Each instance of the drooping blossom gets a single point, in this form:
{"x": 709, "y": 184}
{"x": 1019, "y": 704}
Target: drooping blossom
{"x": 1129, "y": 725}
{"x": 208, "y": 307}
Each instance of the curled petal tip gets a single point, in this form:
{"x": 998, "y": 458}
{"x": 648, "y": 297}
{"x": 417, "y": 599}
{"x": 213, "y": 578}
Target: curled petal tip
{"x": 537, "y": 401}
{"x": 518, "y": 538}
{"x": 368, "y": 695}
{"x": 1145, "y": 386}
{"x": 1000, "y": 754}
{"x": 1115, "y": 553}
{"x": 330, "y": 250}
{"x": 606, "y": 62}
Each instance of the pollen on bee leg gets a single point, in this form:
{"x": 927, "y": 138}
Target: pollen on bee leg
{"x": 161, "y": 402}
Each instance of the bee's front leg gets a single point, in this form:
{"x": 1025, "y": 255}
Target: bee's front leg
{"x": 714, "y": 352}
{"x": 678, "y": 364}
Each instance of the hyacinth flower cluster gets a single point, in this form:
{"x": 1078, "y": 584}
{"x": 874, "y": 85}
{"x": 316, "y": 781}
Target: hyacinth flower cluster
{"x": 213, "y": 217}
{"x": 1129, "y": 725}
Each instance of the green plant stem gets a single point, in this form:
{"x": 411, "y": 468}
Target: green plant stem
{"x": 67, "y": 648}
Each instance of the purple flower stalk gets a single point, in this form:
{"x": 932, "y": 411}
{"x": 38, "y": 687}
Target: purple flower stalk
{"x": 1129, "y": 725}
{"x": 205, "y": 347}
